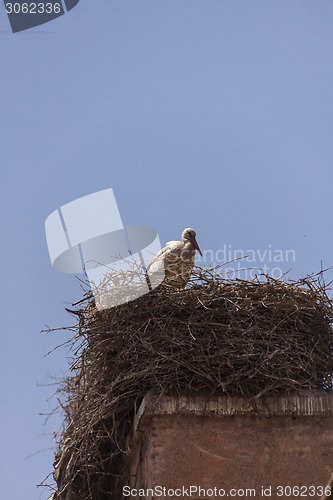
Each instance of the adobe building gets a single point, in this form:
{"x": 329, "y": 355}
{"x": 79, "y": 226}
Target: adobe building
{"x": 214, "y": 447}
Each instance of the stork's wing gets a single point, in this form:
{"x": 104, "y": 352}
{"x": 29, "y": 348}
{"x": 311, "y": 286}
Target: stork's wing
{"x": 157, "y": 264}
{"x": 173, "y": 264}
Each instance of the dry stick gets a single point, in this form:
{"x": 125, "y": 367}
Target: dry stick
{"x": 329, "y": 487}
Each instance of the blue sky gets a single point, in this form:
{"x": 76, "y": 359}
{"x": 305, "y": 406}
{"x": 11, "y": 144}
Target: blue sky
{"x": 212, "y": 114}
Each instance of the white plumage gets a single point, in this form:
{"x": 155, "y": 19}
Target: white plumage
{"x": 175, "y": 260}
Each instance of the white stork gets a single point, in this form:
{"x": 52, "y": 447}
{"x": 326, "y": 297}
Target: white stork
{"x": 176, "y": 260}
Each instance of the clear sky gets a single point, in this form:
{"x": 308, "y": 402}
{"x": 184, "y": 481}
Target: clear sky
{"x": 214, "y": 114}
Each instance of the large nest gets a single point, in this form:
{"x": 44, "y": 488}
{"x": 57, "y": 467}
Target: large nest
{"x": 248, "y": 338}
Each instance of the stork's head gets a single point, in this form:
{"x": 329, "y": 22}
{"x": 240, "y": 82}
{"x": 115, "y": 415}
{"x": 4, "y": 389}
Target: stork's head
{"x": 190, "y": 234}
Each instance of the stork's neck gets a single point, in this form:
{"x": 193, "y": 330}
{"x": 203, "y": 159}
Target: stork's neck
{"x": 188, "y": 244}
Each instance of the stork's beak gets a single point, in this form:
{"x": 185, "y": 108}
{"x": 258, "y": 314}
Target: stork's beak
{"x": 195, "y": 244}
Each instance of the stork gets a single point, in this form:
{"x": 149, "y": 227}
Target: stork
{"x": 176, "y": 260}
